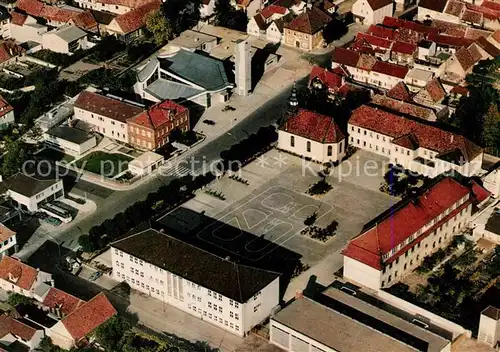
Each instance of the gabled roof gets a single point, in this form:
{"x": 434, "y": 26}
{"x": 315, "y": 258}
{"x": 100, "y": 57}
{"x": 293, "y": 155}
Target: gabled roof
{"x": 24, "y": 275}
{"x": 69, "y": 33}
{"x": 403, "y": 107}
{"x": 31, "y": 7}
{"x": 407, "y": 218}
{"x": 398, "y": 23}
{"x": 480, "y": 193}
{"x": 159, "y": 114}
{"x": 126, "y": 3}
{"x": 380, "y": 31}
{"x": 84, "y": 20}
{"x": 5, "y": 107}
{"x": 345, "y": 57}
{"x": 18, "y": 18}
{"x": 60, "y": 300}
{"x": 404, "y": 48}
{"x": 89, "y": 316}
{"x": 5, "y": 233}
{"x": 487, "y": 12}
{"x": 105, "y": 106}
{"x": 428, "y": 136}
{"x": 472, "y": 17}
{"x": 12, "y": 326}
{"x": 9, "y": 49}
{"x": 434, "y": 5}
{"x": 449, "y": 40}
{"x": 491, "y": 5}
{"x": 310, "y": 22}
{"x": 136, "y": 18}
{"x": 408, "y": 141}
{"x": 400, "y": 91}
{"x": 390, "y": 69}
{"x": 235, "y": 281}
{"x": 270, "y": 10}
{"x": 378, "y": 4}
{"x": 455, "y": 8}
{"x": 314, "y": 126}
{"x": 465, "y": 58}
{"x": 259, "y": 20}
{"x": 435, "y": 89}
{"x": 374, "y": 40}
{"x": 488, "y": 47}
{"x": 329, "y": 79}
{"x": 27, "y": 185}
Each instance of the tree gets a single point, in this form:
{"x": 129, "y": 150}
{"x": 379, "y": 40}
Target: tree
{"x": 14, "y": 160}
{"x": 157, "y": 23}
{"x": 227, "y": 16}
{"x": 334, "y": 30}
{"x": 16, "y": 299}
{"x": 87, "y": 245}
{"x": 492, "y": 129}
{"x": 110, "y": 333}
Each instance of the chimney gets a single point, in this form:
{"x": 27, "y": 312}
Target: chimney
{"x": 299, "y": 294}
{"x": 451, "y": 139}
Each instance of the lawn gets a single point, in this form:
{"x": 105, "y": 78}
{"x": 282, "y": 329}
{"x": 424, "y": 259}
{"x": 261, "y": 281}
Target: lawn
{"x": 105, "y": 164}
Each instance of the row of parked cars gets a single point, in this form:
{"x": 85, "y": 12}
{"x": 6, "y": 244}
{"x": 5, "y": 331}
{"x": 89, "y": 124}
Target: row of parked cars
{"x": 48, "y": 219}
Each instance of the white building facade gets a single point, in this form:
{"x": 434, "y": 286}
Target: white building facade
{"x": 372, "y": 12}
{"x": 179, "y": 291}
{"x": 8, "y": 240}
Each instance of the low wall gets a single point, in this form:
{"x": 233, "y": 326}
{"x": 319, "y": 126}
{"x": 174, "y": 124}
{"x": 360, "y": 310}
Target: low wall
{"x": 38, "y": 61}
{"x": 397, "y": 302}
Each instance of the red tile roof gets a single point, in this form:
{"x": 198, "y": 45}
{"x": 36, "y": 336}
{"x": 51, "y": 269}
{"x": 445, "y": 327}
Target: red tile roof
{"x": 126, "y": 3}
{"x": 390, "y": 69}
{"x": 373, "y": 40}
{"x": 475, "y": 33}
{"x": 159, "y": 114}
{"x": 480, "y": 192}
{"x": 472, "y": 17}
{"x": 57, "y": 299}
{"x": 366, "y": 62}
{"x": 345, "y": 57}
{"x": 434, "y": 5}
{"x": 393, "y": 22}
{"x": 310, "y": 22}
{"x": 487, "y": 12}
{"x": 135, "y": 19}
{"x": 465, "y": 58}
{"x": 5, "y": 233}
{"x": 108, "y": 107}
{"x": 31, "y": 7}
{"x": 17, "y": 18}
{"x": 404, "y": 107}
{"x": 488, "y": 47}
{"x": 404, "y": 48}
{"x": 16, "y": 328}
{"x": 84, "y": 20}
{"x": 380, "y": 31}
{"x": 435, "y": 89}
{"x": 378, "y": 4}
{"x": 496, "y": 35}
{"x": 270, "y": 10}
{"x": 313, "y": 126}
{"x": 331, "y": 80}
{"x": 24, "y": 275}
{"x": 460, "y": 90}
{"x": 5, "y": 107}
{"x": 491, "y": 5}
{"x": 450, "y": 40}
{"x": 9, "y": 49}
{"x": 448, "y": 28}
{"x": 89, "y": 316}
{"x": 405, "y": 221}
{"x": 428, "y": 136}
{"x": 455, "y": 8}
{"x": 400, "y": 91}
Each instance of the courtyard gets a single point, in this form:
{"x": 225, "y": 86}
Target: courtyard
{"x": 105, "y": 164}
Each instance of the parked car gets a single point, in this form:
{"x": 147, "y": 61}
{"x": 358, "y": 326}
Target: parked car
{"x": 53, "y": 221}
{"x": 95, "y": 276}
{"x": 41, "y": 215}
{"x": 209, "y": 122}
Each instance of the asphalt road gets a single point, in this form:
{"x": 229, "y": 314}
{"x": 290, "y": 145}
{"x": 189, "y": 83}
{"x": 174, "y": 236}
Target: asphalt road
{"x": 118, "y": 201}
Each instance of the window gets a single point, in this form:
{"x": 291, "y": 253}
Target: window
{"x": 292, "y": 141}
{"x": 256, "y": 308}
{"x": 231, "y": 314}
{"x": 209, "y": 304}
{"x": 220, "y": 309}
{"x": 236, "y": 316}
{"x": 308, "y": 146}
{"x": 209, "y": 293}
{"x": 330, "y": 150}
{"x": 236, "y": 304}
{"x": 237, "y": 327}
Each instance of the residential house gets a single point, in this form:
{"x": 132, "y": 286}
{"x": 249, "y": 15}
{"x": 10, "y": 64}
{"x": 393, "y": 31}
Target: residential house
{"x": 107, "y": 115}
{"x": 60, "y": 303}
{"x": 25, "y": 28}
{"x": 29, "y": 193}
{"x": 403, "y": 107}
{"x": 6, "y": 114}
{"x": 372, "y": 11}
{"x": 17, "y": 277}
{"x": 74, "y": 329}
{"x": 420, "y": 147}
{"x": 417, "y": 78}
{"x": 231, "y": 296}
{"x": 274, "y": 32}
{"x": 118, "y": 7}
{"x": 8, "y": 240}
{"x": 323, "y": 79}
{"x": 494, "y": 39}
{"x": 312, "y": 135}
{"x": 65, "y": 39}
{"x": 432, "y": 94}
{"x": 9, "y": 52}
{"x": 258, "y": 24}
{"x": 250, "y": 7}
{"x": 146, "y": 163}
{"x": 70, "y": 140}
{"x": 400, "y": 239}
{"x": 338, "y": 316}
{"x": 103, "y": 20}
{"x": 429, "y": 10}
{"x": 306, "y": 31}
{"x": 367, "y": 69}
{"x": 151, "y": 129}
{"x": 183, "y": 75}
{"x": 461, "y": 63}
{"x": 129, "y": 25}
{"x": 400, "y": 92}
{"x": 18, "y": 335}
{"x": 489, "y": 326}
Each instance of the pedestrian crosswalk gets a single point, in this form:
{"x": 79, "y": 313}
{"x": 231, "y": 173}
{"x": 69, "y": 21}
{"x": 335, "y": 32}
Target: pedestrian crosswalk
{"x": 175, "y": 170}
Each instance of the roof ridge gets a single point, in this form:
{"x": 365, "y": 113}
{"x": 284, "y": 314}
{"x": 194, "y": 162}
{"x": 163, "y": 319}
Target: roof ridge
{"x": 84, "y": 304}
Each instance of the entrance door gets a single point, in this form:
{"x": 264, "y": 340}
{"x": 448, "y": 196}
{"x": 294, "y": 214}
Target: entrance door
{"x": 297, "y": 44}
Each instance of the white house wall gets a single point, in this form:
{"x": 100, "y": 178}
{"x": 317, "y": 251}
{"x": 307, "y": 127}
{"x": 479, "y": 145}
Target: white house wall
{"x": 108, "y": 127}
{"x": 259, "y": 307}
{"x": 7, "y": 244}
{"x": 284, "y": 337}
{"x": 96, "y": 5}
{"x": 319, "y": 151}
{"x": 362, "y": 273}
{"x": 31, "y": 203}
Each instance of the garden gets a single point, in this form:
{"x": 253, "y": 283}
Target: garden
{"x": 403, "y": 183}
{"x": 105, "y": 164}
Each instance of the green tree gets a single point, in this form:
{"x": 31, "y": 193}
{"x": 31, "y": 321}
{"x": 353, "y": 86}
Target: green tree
{"x": 157, "y": 23}
{"x": 18, "y": 153}
{"x": 16, "y": 299}
{"x": 110, "y": 333}
{"x": 227, "y": 16}
{"x": 492, "y": 129}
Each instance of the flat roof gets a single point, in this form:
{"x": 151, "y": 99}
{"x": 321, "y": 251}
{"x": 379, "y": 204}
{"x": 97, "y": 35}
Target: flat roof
{"x": 493, "y": 222}
{"x": 27, "y": 185}
{"x": 70, "y": 134}
{"x": 492, "y": 312}
{"x": 192, "y": 39}
{"x": 333, "y": 329}
{"x": 419, "y": 74}
{"x": 146, "y": 159}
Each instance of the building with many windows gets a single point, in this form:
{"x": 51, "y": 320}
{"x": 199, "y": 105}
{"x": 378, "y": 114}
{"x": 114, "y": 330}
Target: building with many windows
{"x": 398, "y": 241}
{"x": 15, "y": 276}
{"x": 232, "y": 296}
{"x": 372, "y": 11}
{"x": 107, "y": 115}
{"x": 417, "y": 146}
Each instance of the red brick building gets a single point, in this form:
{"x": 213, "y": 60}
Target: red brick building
{"x": 151, "y": 129}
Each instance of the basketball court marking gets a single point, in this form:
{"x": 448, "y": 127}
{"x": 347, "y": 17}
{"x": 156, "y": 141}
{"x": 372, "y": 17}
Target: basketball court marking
{"x": 273, "y": 201}
{"x": 237, "y": 226}
{"x": 247, "y": 217}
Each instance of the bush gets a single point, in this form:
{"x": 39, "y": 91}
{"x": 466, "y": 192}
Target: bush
{"x": 15, "y": 299}
{"x": 311, "y": 219}
{"x": 320, "y": 187}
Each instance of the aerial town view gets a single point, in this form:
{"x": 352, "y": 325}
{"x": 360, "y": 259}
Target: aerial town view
{"x": 250, "y": 175}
